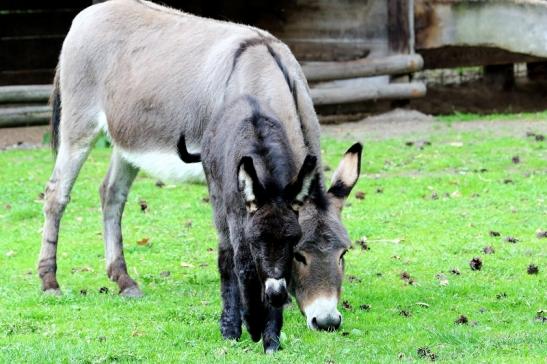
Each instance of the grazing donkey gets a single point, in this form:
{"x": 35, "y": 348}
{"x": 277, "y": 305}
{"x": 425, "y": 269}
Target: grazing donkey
{"x": 146, "y": 75}
{"x": 256, "y": 193}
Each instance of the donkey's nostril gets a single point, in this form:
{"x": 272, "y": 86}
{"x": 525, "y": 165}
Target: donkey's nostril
{"x": 328, "y": 323}
{"x": 314, "y": 323}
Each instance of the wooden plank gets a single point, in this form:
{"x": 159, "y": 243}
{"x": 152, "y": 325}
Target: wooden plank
{"x": 26, "y": 115}
{"x": 25, "y": 94}
{"x": 30, "y": 53}
{"x": 27, "y": 77}
{"x": 46, "y": 22}
{"x": 346, "y": 95}
{"x": 42, "y": 4}
{"x": 398, "y": 26}
{"x": 393, "y": 65}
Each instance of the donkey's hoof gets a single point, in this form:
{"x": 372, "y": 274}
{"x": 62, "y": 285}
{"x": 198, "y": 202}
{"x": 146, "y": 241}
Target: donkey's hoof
{"x": 133, "y": 292}
{"x": 53, "y": 292}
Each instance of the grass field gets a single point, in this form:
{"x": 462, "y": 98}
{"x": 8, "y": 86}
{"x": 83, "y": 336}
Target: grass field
{"x": 427, "y": 211}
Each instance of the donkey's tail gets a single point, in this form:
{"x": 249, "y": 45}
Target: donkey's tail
{"x": 55, "y": 102}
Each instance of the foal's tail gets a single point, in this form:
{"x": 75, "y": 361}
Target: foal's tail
{"x": 55, "y": 102}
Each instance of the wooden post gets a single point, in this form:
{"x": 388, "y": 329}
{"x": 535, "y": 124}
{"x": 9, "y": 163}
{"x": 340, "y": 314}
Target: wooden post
{"x": 398, "y": 26}
{"x": 392, "y": 65}
{"x": 350, "y": 94}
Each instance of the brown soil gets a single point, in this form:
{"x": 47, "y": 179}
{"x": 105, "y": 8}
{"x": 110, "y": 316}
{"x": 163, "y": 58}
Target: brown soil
{"x": 23, "y": 137}
{"x": 414, "y": 124}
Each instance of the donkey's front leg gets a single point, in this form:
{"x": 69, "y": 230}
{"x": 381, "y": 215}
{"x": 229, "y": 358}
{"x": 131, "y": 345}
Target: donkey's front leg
{"x": 230, "y": 320}
{"x": 272, "y": 329}
{"x": 251, "y": 293}
{"x": 114, "y": 191}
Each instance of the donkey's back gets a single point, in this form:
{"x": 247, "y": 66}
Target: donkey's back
{"x": 135, "y": 69}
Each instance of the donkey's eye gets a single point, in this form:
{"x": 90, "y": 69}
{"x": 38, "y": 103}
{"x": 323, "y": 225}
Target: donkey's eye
{"x": 300, "y": 258}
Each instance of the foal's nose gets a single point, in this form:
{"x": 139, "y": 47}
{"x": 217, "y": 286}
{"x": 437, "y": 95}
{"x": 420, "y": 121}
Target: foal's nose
{"x": 327, "y": 322}
{"x": 276, "y": 292}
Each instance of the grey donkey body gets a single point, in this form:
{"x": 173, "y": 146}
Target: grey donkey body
{"x": 145, "y": 75}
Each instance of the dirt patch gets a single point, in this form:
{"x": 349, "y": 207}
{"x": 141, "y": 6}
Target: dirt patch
{"x": 401, "y": 123}
{"x": 23, "y": 137}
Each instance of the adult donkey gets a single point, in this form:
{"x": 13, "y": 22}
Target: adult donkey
{"x": 146, "y": 75}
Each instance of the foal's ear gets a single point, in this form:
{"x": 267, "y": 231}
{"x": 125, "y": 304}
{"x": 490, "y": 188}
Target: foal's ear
{"x": 346, "y": 176}
{"x": 249, "y": 184}
{"x": 299, "y": 190}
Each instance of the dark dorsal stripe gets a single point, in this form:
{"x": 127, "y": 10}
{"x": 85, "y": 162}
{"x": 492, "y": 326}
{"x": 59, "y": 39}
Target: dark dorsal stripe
{"x": 261, "y": 40}
{"x": 292, "y": 87}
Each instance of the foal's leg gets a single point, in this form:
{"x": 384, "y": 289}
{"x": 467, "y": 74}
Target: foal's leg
{"x": 70, "y": 158}
{"x": 251, "y": 293}
{"x": 114, "y": 191}
{"x": 230, "y": 320}
{"x": 272, "y": 329}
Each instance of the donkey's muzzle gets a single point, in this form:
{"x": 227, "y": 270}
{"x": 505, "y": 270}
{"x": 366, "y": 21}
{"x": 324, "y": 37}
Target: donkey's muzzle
{"x": 276, "y": 292}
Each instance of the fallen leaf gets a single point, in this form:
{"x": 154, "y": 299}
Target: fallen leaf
{"x": 456, "y": 144}
{"x": 143, "y": 205}
{"x": 488, "y": 250}
{"x": 186, "y": 265}
{"x": 426, "y": 353}
{"x": 475, "y": 263}
{"x": 511, "y": 239}
{"x": 143, "y": 241}
{"x": 533, "y": 269}
{"x": 443, "y": 281}
{"x": 462, "y": 320}
{"x": 365, "y": 307}
{"x": 360, "y": 195}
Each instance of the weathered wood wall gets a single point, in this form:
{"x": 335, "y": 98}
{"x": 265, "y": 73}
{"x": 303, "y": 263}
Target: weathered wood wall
{"x": 32, "y": 31}
{"x": 31, "y": 34}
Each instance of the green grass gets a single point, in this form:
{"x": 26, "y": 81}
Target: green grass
{"x": 457, "y": 116}
{"x": 177, "y": 320}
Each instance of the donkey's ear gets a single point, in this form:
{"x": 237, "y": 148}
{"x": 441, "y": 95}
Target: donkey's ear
{"x": 346, "y": 175}
{"x": 299, "y": 190}
{"x": 249, "y": 184}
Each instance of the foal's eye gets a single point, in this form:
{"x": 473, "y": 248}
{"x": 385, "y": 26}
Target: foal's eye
{"x": 300, "y": 258}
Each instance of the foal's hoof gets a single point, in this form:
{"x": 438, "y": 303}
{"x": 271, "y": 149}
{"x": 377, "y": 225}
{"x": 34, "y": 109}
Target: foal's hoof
{"x": 133, "y": 292}
{"x": 272, "y": 348}
{"x": 230, "y": 333}
{"x": 271, "y": 344}
{"x": 53, "y": 292}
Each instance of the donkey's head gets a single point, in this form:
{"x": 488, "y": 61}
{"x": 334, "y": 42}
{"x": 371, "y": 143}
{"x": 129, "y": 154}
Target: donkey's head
{"x": 318, "y": 264}
{"x": 271, "y": 225}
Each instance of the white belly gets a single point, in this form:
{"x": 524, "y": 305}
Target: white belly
{"x": 166, "y": 166}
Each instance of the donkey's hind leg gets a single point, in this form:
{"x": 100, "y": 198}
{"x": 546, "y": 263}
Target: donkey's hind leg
{"x": 114, "y": 191}
{"x": 70, "y": 158}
